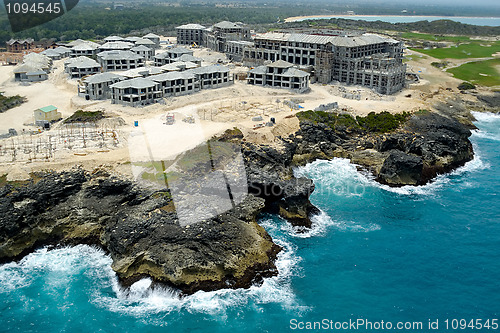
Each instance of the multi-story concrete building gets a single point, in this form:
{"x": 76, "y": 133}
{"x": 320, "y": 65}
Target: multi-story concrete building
{"x": 135, "y": 92}
{"x": 119, "y": 60}
{"x": 81, "y": 66}
{"x": 144, "y": 51}
{"x": 280, "y": 74}
{"x": 214, "y": 76}
{"x": 97, "y": 86}
{"x": 177, "y": 83}
{"x": 234, "y": 49}
{"x": 171, "y": 55}
{"x": 362, "y": 59}
{"x": 154, "y": 38}
{"x": 190, "y": 34}
{"x": 219, "y": 34}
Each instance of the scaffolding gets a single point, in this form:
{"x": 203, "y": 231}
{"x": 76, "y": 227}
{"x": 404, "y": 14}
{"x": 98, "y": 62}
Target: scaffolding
{"x": 46, "y": 146}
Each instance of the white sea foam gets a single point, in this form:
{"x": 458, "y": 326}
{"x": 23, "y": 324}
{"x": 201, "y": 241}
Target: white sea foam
{"x": 486, "y": 117}
{"x": 141, "y": 298}
{"x": 64, "y": 261}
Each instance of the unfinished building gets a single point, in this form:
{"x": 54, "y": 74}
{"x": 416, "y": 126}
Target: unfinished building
{"x": 154, "y": 38}
{"x": 119, "y": 60}
{"x": 280, "y": 74}
{"x": 144, "y": 51}
{"x": 190, "y": 34}
{"x": 177, "y": 83}
{"x": 214, "y": 76}
{"x": 219, "y": 34}
{"x": 172, "y": 55}
{"x": 135, "y": 92}
{"x": 81, "y": 66}
{"x": 362, "y": 59}
{"x": 97, "y": 86}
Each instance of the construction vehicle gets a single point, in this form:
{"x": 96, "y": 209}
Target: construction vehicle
{"x": 188, "y": 119}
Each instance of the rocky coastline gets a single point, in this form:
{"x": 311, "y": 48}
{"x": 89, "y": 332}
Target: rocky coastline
{"x": 140, "y": 230}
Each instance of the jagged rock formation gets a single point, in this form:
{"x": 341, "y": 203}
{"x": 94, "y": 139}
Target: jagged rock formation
{"x": 139, "y": 229}
{"x": 427, "y": 145}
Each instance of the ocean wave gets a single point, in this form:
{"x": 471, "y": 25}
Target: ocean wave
{"x": 65, "y": 261}
{"x": 486, "y": 117}
{"x": 143, "y": 297}
{"x": 340, "y": 177}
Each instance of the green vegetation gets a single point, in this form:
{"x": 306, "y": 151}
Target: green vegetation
{"x": 84, "y": 117}
{"x": 382, "y": 122}
{"x": 485, "y": 73}
{"x": 432, "y": 37}
{"x": 464, "y": 51}
{"x": 9, "y": 102}
{"x": 466, "y": 86}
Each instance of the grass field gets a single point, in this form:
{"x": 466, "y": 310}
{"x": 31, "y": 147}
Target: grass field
{"x": 429, "y": 37}
{"x": 472, "y": 71}
{"x": 464, "y": 51}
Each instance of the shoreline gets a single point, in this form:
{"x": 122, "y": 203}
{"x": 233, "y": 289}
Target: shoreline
{"x": 306, "y": 17}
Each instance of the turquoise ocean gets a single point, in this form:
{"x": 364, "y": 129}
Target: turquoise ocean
{"x": 410, "y": 254}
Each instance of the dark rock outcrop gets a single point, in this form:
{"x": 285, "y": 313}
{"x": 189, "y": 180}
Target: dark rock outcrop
{"x": 427, "y": 145}
{"x": 139, "y": 229}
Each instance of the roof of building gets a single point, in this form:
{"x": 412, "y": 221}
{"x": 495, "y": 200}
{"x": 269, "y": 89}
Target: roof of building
{"x": 140, "y": 48}
{"x": 81, "y": 62}
{"x": 259, "y": 70}
{"x": 20, "y": 41}
{"x": 81, "y": 41}
{"x": 144, "y": 41}
{"x": 51, "y": 53}
{"x": 48, "y": 108}
{"x": 142, "y": 71}
{"x": 84, "y": 47}
{"x": 150, "y": 35}
{"x": 281, "y": 64}
{"x": 118, "y": 55}
{"x": 294, "y": 72}
{"x": 102, "y": 77}
{"x": 184, "y": 64}
{"x": 131, "y": 39}
{"x": 170, "y": 76}
{"x": 117, "y": 46}
{"x": 36, "y": 72}
{"x": 113, "y": 38}
{"x": 188, "y": 58}
{"x": 62, "y": 49}
{"x": 210, "y": 69}
{"x": 227, "y": 25}
{"x": 26, "y": 68}
{"x": 191, "y": 26}
{"x": 138, "y": 83}
{"x": 169, "y": 68}
{"x": 347, "y": 41}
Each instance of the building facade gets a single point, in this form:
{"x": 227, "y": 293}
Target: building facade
{"x": 119, "y": 60}
{"x": 280, "y": 74}
{"x": 81, "y": 66}
{"x": 135, "y": 92}
{"x": 363, "y": 59}
{"x": 190, "y": 34}
{"x": 97, "y": 86}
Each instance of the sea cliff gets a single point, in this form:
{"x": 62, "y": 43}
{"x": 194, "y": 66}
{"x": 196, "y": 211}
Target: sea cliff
{"x": 138, "y": 226}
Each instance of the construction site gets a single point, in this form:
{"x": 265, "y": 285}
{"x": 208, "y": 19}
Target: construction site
{"x": 259, "y": 100}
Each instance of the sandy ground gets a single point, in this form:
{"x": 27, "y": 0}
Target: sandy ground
{"x": 214, "y": 111}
